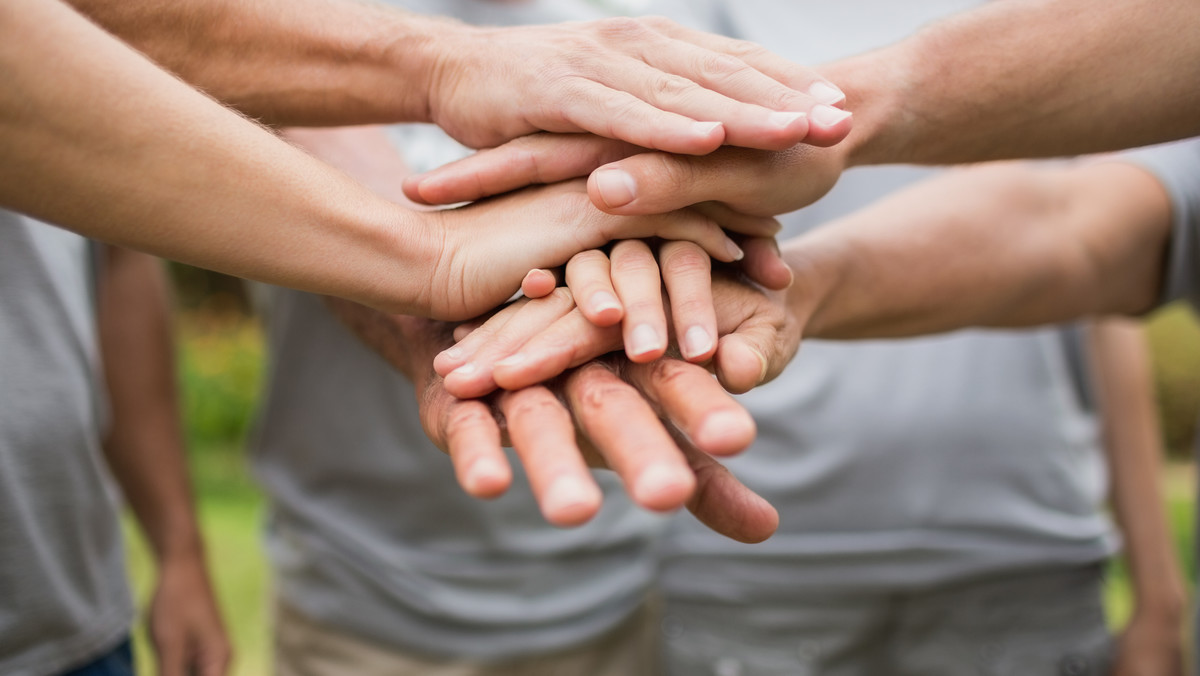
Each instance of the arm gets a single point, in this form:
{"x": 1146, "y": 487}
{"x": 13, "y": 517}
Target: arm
{"x": 338, "y": 62}
{"x": 1151, "y": 643}
{"x": 145, "y": 450}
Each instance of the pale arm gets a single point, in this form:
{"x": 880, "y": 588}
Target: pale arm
{"x": 145, "y": 450}
{"x": 1151, "y": 644}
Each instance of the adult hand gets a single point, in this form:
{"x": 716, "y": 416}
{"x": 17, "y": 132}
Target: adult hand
{"x": 629, "y": 180}
{"x": 185, "y": 625}
{"x": 536, "y": 339}
{"x": 1151, "y": 645}
{"x": 477, "y": 265}
{"x": 647, "y": 81}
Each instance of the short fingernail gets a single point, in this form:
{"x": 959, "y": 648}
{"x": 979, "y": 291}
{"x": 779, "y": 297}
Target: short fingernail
{"x": 453, "y": 353}
{"x": 603, "y": 301}
{"x": 485, "y": 471}
{"x": 826, "y": 93}
{"x": 568, "y": 493}
{"x": 735, "y": 251}
{"x": 643, "y": 339}
{"x": 784, "y": 120}
{"x": 657, "y": 479}
{"x": 696, "y": 342}
{"x": 465, "y": 370}
{"x": 512, "y": 359}
{"x": 704, "y": 128}
{"x": 828, "y": 116}
{"x": 617, "y": 188}
{"x": 725, "y": 428}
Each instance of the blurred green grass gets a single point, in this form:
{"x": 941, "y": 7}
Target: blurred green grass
{"x": 221, "y": 364}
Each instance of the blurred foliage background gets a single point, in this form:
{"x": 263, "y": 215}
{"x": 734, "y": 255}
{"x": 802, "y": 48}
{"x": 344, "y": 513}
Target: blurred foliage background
{"x": 221, "y": 368}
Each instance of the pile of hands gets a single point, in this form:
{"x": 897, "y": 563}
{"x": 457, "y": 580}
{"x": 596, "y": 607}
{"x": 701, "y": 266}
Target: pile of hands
{"x": 673, "y": 276}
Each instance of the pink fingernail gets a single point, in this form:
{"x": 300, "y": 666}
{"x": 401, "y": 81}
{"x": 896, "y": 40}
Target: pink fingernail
{"x": 784, "y": 120}
{"x": 704, "y": 128}
{"x": 603, "y": 301}
{"x": 465, "y": 370}
{"x": 454, "y": 353}
{"x": 826, "y": 93}
{"x": 735, "y": 251}
{"x": 828, "y": 116}
{"x": 643, "y": 340}
{"x": 513, "y": 359}
{"x": 696, "y": 342}
{"x": 617, "y": 188}
{"x": 569, "y": 493}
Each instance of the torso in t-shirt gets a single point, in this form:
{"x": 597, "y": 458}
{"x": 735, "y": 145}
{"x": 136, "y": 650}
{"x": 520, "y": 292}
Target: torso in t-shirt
{"x": 64, "y": 598}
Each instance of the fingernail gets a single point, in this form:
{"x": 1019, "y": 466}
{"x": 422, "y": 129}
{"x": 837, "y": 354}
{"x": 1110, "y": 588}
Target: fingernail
{"x": 784, "y": 120}
{"x": 724, "y": 428}
{"x": 704, "y": 128}
{"x": 566, "y": 493}
{"x": 617, "y": 188}
{"x": 512, "y": 359}
{"x": 603, "y": 301}
{"x": 484, "y": 471}
{"x": 465, "y": 370}
{"x": 735, "y": 251}
{"x": 828, "y": 116}
{"x": 643, "y": 339}
{"x": 654, "y": 480}
{"x": 453, "y": 353}
{"x": 696, "y": 342}
{"x": 826, "y": 93}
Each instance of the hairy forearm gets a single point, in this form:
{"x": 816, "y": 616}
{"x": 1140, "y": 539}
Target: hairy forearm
{"x": 1121, "y": 368}
{"x": 1004, "y": 245}
{"x": 1028, "y": 78}
{"x": 115, "y": 148}
{"x": 145, "y": 446}
{"x": 288, "y": 62}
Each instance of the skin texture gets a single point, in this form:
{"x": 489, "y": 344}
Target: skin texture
{"x": 336, "y": 62}
{"x": 1152, "y": 642}
{"x": 1028, "y": 78}
{"x": 145, "y": 450}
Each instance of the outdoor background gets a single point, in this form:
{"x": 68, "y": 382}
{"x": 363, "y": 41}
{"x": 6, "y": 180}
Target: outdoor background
{"x": 221, "y": 363}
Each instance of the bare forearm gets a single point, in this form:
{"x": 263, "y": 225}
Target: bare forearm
{"x": 1028, "y": 78}
{"x": 145, "y": 447}
{"x": 1004, "y": 245}
{"x": 1120, "y": 364}
{"x": 117, "y": 149}
{"x": 288, "y": 62}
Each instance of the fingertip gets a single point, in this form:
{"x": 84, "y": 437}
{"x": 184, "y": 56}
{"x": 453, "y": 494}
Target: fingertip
{"x": 570, "y": 501}
{"x": 611, "y": 188}
{"x": 447, "y": 360}
{"x": 487, "y": 478}
{"x": 411, "y": 185}
{"x": 469, "y": 381}
{"x": 828, "y": 125}
{"x": 663, "y": 488}
{"x": 725, "y": 432}
{"x": 603, "y": 309}
{"x": 827, "y": 93}
{"x": 538, "y": 283}
{"x": 762, "y": 524}
{"x": 644, "y": 344}
{"x": 739, "y": 366}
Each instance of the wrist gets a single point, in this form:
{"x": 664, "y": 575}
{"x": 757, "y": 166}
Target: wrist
{"x": 816, "y": 274}
{"x": 877, "y": 87}
{"x": 405, "y": 246}
{"x": 414, "y": 49}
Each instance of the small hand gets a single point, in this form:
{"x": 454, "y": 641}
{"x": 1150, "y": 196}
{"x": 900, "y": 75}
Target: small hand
{"x": 626, "y": 179}
{"x": 1151, "y": 645}
{"x": 185, "y": 625}
{"x": 647, "y": 81}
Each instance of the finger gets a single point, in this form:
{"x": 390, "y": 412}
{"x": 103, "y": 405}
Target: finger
{"x": 725, "y": 504}
{"x": 636, "y": 280}
{"x": 656, "y": 183}
{"x": 529, "y": 160}
{"x": 827, "y": 125}
{"x": 463, "y": 330}
{"x": 543, "y": 434}
{"x": 717, "y": 87}
{"x": 624, "y": 429}
{"x": 764, "y": 263}
{"x": 694, "y": 402}
{"x": 458, "y": 354}
{"x": 213, "y": 655}
{"x": 589, "y": 278}
{"x": 741, "y": 362}
{"x": 474, "y": 378}
{"x": 170, "y": 653}
{"x": 568, "y": 342}
{"x": 617, "y": 114}
{"x": 539, "y": 282}
{"x": 472, "y": 439}
{"x": 687, "y": 274}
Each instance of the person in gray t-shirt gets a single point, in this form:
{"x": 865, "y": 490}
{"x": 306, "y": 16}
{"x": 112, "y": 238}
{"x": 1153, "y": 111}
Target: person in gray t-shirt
{"x": 85, "y": 377}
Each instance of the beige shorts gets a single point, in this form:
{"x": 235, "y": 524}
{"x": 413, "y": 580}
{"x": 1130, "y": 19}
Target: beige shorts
{"x": 304, "y": 647}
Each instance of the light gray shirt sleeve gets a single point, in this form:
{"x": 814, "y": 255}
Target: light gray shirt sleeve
{"x": 1177, "y": 167}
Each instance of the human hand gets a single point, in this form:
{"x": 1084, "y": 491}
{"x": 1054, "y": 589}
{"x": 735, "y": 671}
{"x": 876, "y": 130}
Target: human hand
{"x": 606, "y": 415}
{"x": 626, "y": 179}
{"x": 647, "y": 81}
{"x": 185, "y": 624}
{"x": 477, "y": 265}
{"x": 1150, "y": 645}
{"x": 533, "y": 340}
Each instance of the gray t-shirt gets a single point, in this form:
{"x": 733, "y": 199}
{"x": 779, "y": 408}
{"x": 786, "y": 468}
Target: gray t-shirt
{"x": 896, "y": 464}
{"x": 64, "y": 598}
{"x": 1177, "y": 168}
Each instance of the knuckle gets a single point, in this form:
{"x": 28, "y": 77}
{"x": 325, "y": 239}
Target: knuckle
{"x": 673, "y": 87}
{"x": 718, "y": 66}
{"x": 589, "y": 258}
{"x": 684, "y": 259}
{"x": 743, "y": 49}
{"x": 596, "y": 397}
{"x": 659, "y": 23}
{"x": 460, "y": 418}
{"x": 534, "y": 406}
{"x": 621, "y": 28}
{"x": 634, "y": 265}
{"x": 667, "y": 373}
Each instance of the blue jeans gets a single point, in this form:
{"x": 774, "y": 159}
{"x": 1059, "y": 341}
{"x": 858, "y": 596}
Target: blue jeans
{"x": 116, "y": 662}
